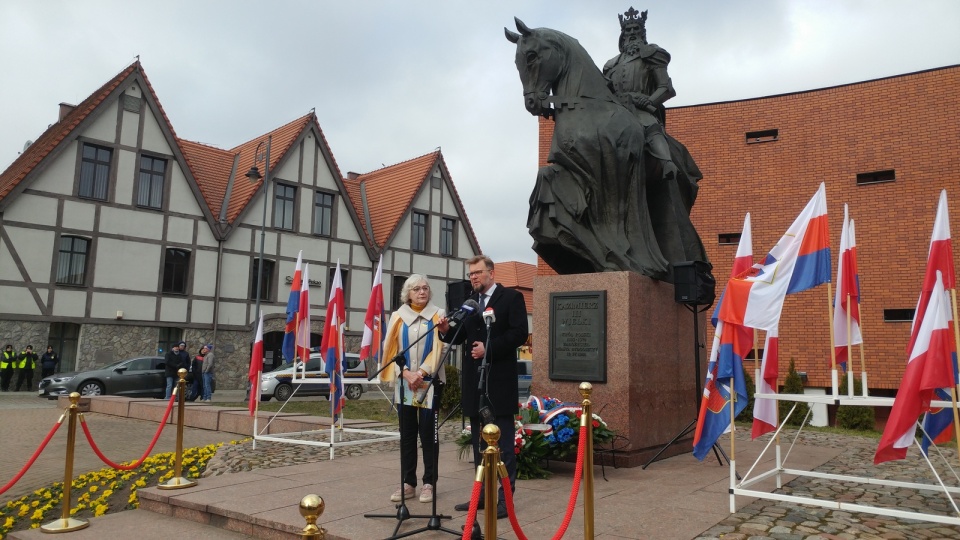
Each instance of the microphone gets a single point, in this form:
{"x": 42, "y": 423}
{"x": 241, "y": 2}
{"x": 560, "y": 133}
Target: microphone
{"x": 488, "y": 316}
{"x": 467, "y": 309}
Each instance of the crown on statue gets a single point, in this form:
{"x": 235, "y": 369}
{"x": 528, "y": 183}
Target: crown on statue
{"x": 633, "y": 17}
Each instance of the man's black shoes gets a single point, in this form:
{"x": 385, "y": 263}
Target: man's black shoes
{"x": 501, "y": 508}
{"x": 463, "y": 507}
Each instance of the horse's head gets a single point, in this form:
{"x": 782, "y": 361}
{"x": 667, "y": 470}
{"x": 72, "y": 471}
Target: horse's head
{"x": 540, "y": 61}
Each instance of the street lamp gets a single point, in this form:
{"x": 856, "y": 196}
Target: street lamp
{"x": 262, "y": 153}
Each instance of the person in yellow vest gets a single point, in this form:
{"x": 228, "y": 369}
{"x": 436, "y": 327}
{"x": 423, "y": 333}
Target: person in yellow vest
{"x": 7, "y": 359}
{"x": 26, "y": 366}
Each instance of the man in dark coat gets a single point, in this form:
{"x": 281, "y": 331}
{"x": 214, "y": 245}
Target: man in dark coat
{"x": 172, "y": 363}
{"x": 499, "y": 391}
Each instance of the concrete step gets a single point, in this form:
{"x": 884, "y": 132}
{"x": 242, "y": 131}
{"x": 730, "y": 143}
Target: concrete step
{"x": 142, "y": 525}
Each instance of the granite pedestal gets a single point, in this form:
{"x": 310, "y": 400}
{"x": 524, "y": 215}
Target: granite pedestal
{"x": 650, "y": 394}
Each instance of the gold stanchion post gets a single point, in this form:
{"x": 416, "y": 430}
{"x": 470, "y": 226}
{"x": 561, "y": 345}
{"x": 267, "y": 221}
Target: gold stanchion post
{"x": 311, "y": 508}
{"x": 67, "y": 523}
{"x": 491, "y": 458}
{"x": 587, "y": 420}
{"x": 178, "y": 481}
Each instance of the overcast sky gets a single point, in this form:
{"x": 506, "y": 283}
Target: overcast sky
{"x": 391, "y": 81}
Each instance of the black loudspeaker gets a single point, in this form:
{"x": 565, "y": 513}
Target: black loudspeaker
{"x": 457, "y": 294}
{"x": 693, "y": 283}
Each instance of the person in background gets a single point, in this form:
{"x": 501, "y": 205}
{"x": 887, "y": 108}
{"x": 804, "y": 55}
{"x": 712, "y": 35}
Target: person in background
{"x": 207, "y": 374}
{"x": 415, "y": 318}
{"x": 7, "y": 360}
{"x": 49, "y": 363}
{"x": 171, "y": 364}
{"x": 196, "y": 371}
{"x": 27, "y": 365}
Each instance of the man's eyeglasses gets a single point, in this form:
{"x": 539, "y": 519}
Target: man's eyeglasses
{"x": 423, "y": 288}
{"x": 475, "y": 273}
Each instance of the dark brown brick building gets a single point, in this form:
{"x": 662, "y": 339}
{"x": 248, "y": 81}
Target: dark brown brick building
{"x": 886, "y": 147}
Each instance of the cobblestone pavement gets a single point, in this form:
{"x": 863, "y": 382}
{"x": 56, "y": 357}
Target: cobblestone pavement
{"x": 757, "y": 520}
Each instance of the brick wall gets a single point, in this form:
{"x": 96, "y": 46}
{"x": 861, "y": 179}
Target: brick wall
{"x": 907, "y": 123}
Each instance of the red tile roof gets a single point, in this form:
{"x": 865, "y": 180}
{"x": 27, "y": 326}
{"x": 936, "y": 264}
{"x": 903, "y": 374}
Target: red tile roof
{"x": 390, "y": 193}
{"x": 50, "y": 140}
{"x": 519, "y": 276}
{"x": 211, "y": 166}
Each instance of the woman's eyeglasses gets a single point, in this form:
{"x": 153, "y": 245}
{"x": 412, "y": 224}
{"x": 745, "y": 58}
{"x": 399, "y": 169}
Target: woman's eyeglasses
{"x": 423, "y": 288}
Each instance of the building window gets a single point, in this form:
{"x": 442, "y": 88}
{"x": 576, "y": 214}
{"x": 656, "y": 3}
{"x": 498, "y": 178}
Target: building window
{"x": 725, "y": 239}
{"x": 266, "y": 284}
{"x": 898, "y": 315}
{"x": 150, "y": 190}
{"x": 448, "y": 231}
{"x": 767, "y": 135}
{"x": 396, "y": 302}
{"x": 877, "y": 177}
{"x": 94, "y": 172}
{"x": 436, "y": 181}
{"x": 284, "y": 203}
{"x": 168, "y": 338}
{"x": 72, "y": 263}
{"x": 323, "y": 213}
{"x": 176, "y": 268}
{"x": 418, "y": 240}
{"x": 64, "y": 338}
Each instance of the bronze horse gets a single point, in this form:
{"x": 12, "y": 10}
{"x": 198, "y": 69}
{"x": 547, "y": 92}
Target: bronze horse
{"x": 593, "y": 207}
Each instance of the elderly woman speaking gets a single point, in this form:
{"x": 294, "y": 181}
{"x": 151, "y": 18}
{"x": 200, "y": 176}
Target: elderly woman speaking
{"x": 416, "y": 319}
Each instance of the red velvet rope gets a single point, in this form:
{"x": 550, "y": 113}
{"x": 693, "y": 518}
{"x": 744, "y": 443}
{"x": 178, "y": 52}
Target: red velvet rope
{"x": 472, "y": 513}
{"x": 508, "y": 499}
{"x": 156, "y": 436}
{"x": 576, "y": 484}
{"x": 33, "y": 458}
{"x": 571, "y": 505}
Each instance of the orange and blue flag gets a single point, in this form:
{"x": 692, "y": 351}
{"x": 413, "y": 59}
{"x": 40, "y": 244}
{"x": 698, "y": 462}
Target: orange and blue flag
{"x": 331, "y": 346}
{"x": 293, "y": 307}
{"x": 938, "y": 423}
{"x": 799, "y": 261}
{"x": 725, "y": 385}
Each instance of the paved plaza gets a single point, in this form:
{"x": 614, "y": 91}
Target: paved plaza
{"x": 678, "y": 497}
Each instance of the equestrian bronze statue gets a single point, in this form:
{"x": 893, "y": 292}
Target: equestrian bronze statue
{"x": 617, "y": 191}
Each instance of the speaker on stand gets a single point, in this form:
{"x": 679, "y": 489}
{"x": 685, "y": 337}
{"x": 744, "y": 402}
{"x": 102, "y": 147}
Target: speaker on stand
{"x": 695, "y": 287}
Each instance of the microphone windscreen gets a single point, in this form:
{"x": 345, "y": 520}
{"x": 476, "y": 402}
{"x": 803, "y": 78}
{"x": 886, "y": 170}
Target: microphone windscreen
{"x": 471, "y": 304}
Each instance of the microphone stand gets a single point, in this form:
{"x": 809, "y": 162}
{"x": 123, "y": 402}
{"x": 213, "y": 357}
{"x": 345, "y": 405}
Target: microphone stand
{"x": 403, "y": 513}
{"x": 482, "y": 382}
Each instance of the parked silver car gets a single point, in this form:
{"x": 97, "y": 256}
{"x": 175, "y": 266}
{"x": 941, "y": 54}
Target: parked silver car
{"x": 279, "y": 382}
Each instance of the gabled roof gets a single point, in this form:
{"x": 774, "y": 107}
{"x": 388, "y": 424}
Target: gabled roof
{"x": 390, "y": 193}
{"x": 50, "y": 140}
{"x": 519, "y": 276}
{"x": 58, "y": 135}
{"x": 211, "y": 166}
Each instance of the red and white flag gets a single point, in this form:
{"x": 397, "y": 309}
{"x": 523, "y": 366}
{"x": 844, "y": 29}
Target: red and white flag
{"x": 765, "y": 410}
{"x": 847, "y": 299}
{"x": 256, "y": 366}
{"x": 303, "y": 317}
{"x": 930, "y": 367}
{"x": 939, "y": 259}
{"x": 371, "y": 344}
{"x": 744, "y": 259}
